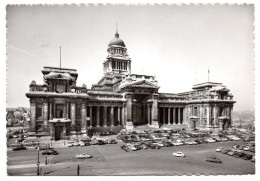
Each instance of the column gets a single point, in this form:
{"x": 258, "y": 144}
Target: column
{"x": 105, "y": 116}
{"x": 54, "y": 110}
{"x": 173, "y": 115}
{"x": 201, "y": 114}
{"x": 73, "y": 116}
{"x": 215, "y": 114}
{"x": 148, "y": 114}
{"x": 164, "y": 115}
{"x": 179, "y": 115}
{"x": 208, "y": 116}
{"x": 112, "y": 116}
{"x": 91, "y": 116}
{"x": 230, "y": 112}
{"x": 122, "y": 115}
{"x": 118, "y": 116}
{"x": 129, "y": 108}
{"x": 155, "y": 111}
{"x": 83, "y": 118}
{"x": 169, "y": 116}
{"x": 184, "y": 113}
{"x": 45, "y": 116}
{"x": 67, "y": 106}
{"x": 64, "y": 111}
{"x": 33, "y": 116}
{"x": 50, "y": 110}
{"x": 110, "y": 65}
{"x": 98, "y": 116}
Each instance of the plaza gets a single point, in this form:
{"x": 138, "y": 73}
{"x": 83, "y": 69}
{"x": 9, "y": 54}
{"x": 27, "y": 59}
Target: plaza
{"x": 111, "y": 160}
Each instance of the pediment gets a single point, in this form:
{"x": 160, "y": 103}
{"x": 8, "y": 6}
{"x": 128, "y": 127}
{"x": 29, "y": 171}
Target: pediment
{"x": 142, "y": 83}
{"x": 58, "y": 76}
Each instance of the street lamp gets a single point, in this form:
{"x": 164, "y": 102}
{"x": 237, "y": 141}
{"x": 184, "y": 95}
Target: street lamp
{"x": 46, "y": 159}
{"x": 38, "y": 163}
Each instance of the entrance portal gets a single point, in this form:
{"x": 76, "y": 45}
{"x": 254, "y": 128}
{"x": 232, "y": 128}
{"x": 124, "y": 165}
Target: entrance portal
{"x": 140, "y": 109}
{"x": 58, "y": 132}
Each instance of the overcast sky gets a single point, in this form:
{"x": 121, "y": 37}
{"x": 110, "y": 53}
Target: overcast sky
{"x": 177, "y": 44}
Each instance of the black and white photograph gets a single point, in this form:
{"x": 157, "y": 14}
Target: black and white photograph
{"x": 130, "y": 89}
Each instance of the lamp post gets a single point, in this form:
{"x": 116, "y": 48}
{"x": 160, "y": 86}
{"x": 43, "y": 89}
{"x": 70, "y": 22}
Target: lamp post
{"x": 78, "y": 170}
{"x": 46, "y": 162}
{"x": 38, "y": 163}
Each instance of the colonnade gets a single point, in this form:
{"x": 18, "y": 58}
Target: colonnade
{"x": 173, "y": 115}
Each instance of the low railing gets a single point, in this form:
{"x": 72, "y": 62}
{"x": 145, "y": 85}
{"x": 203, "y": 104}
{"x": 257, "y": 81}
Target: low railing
{"x": 38, "y": 87}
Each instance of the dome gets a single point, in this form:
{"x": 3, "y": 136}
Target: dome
{"x": 116, "y": 41}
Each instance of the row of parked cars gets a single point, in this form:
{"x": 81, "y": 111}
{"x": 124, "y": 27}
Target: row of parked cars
{"x": 236, "y": 153}
{"x": 160, "y": 138}
{"x": 92, "y": 141}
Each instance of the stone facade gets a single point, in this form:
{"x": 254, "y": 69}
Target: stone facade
{"x": 122, "y": 100}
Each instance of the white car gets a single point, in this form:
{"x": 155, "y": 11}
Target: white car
{"x": 70, "y": 143}
{"x": 211, "y": 141}
{"x": 236, "y": 138}
{"x": 131, "y": 147}
{"x": 160, "y": 144}
{"x": 219, "y": 149}
{"x": 83, "y": 156}
{"x": 177, "y": 143}
{"x": 246, "y": 148}
{"x": 178, "y": 154}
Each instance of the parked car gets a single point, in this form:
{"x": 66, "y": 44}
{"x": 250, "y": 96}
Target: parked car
{"x": 70, "y": 143}
{"x": 213, "y": 159}
{"x": 83, "y": 156}
{"x": 21, "y": 147}
{"x": 225, "y": 151}
{"x": 211, "y": 140}
{"x": 230, "y": 153}
{"x": 253, "y": 159}
{"x": 50, "y": 152}
{"x": 131, "y": 147}
{"x": 219, "y": 149}
{"x": 252, "y": 149}
{"x": 178, "y": 154}
{"x": 247, "y": 157}
{"x": 246, "y": 148}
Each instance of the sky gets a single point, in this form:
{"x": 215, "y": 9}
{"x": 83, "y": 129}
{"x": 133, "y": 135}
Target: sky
{"x": 177, "y": 44}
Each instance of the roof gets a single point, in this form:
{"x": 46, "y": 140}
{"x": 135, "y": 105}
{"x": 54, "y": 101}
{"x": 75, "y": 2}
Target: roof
{"x": 116, "y": 41}
{"x": 206, "y": 84}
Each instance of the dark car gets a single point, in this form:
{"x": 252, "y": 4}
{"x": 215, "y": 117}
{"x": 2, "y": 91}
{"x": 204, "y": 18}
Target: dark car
{"x": 21, "y": 147}
{"x": 154, "y": 146}
{"x": 252, "y": 149}
{"x": 50, "y": 152}
{"x": 247, "y": 157}
{"x": 213, "y": 159}
{"x": 225, "y": 151}
{"x": 241, "y": 154}
{"x": 101, "y": 142}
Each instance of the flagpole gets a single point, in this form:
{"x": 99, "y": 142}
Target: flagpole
{"x": 60, "y": 56}
{"x": 208, "y": 74}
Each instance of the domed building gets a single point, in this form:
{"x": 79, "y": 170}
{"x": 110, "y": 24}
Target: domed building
{"x": 122, "y": 100}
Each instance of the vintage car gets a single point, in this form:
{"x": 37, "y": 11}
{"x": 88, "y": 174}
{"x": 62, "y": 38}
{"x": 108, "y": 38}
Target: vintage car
{"x": 178, "y": 154}
{"x": 213, "y": 159}
{"x": 50, "y": 152}
{"x": 83, "y": 156}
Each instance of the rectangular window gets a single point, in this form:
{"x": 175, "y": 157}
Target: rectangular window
{"x": 78, "y": 113}
{"x": 195, "y": 111}
{"x": 38, "y": 112}
{"x": 59, "y": 110}
{"x": 60, "y": 88}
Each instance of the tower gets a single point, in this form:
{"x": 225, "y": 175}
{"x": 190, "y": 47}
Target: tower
{"x": 117, "y": 60}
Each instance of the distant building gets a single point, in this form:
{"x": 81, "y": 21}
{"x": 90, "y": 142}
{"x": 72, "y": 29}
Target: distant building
{"x": 122, "y": 100}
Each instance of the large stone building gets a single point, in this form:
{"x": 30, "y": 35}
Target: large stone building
{"x": 121, "y": 100}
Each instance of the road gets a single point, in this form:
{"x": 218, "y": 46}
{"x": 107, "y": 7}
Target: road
{"x": 111, "y": 160}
